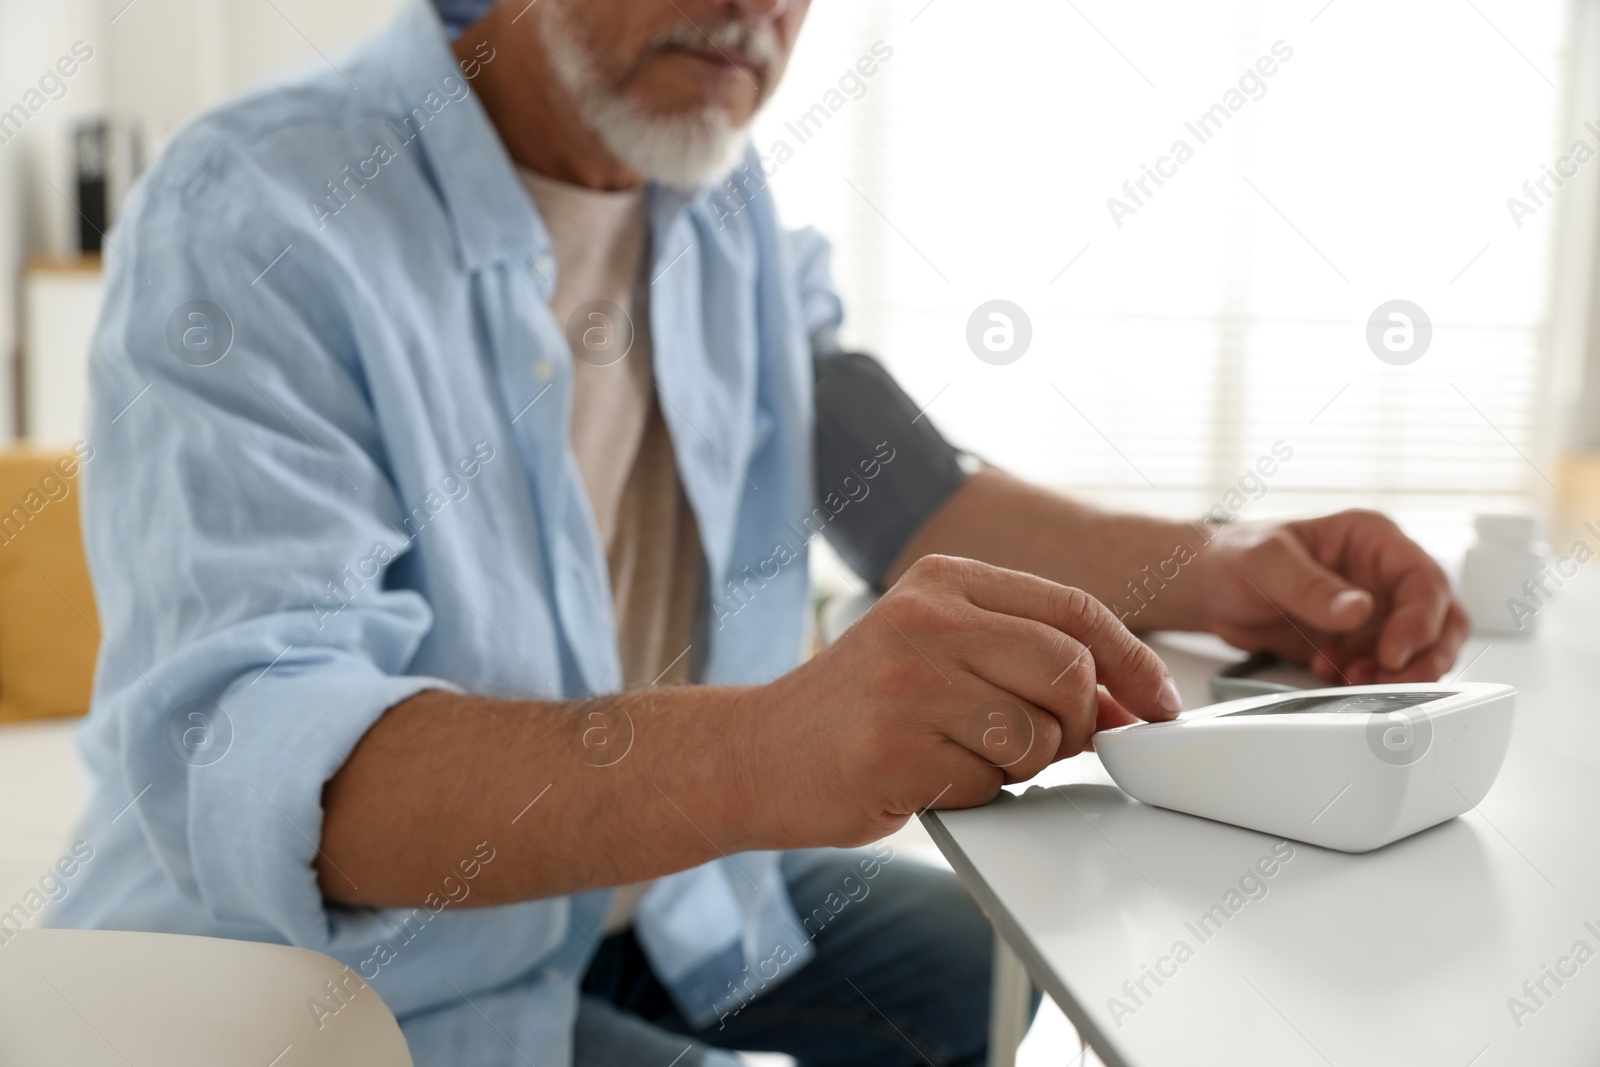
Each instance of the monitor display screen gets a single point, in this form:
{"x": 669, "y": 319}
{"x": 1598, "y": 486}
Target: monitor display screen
{"x": 1354, "y": 704}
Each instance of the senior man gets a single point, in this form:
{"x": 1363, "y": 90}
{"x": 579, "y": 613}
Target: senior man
{"x": 453, "y": 405}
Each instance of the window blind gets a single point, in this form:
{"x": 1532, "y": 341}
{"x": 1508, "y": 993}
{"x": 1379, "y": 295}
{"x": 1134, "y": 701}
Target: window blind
{"x": 1336, "y": 157}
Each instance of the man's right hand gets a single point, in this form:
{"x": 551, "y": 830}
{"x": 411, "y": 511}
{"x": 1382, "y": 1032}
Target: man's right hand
{"x": 963, "y": 677}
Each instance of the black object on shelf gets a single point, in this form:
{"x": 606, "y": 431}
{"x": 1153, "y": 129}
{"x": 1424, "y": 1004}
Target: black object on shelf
{"x": 89, "y": 150}
{"x": 107, "y": 157}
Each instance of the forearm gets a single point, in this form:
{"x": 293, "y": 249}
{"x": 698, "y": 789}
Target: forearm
{"x": 1009, "y": 523}
{"x": 441, "y": 772}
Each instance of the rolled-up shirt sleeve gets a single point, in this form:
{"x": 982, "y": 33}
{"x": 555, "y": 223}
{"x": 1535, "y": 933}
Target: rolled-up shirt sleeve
{"x": 241, "y": 529}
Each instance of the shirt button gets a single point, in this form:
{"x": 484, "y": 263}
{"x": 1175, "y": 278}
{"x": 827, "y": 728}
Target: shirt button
{"x": 546, "y": 266}
{"x": 543, "y": 371}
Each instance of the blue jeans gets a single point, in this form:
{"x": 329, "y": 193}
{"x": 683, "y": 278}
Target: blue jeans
{"x": 901, "y": 979}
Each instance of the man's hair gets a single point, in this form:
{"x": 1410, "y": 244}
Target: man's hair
{"x": 459, "y": 14}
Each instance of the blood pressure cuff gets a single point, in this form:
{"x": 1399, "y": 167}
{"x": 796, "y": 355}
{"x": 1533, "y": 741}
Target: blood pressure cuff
{"x": 882, "y": 471}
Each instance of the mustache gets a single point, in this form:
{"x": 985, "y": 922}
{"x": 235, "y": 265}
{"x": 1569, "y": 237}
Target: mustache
{"x": 756, "y": 40}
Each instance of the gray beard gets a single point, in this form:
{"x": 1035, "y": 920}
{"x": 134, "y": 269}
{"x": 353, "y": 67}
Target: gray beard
{"x": 686, "y": 151}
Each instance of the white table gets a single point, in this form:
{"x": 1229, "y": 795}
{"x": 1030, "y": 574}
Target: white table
{"x": 1407, "y": 955}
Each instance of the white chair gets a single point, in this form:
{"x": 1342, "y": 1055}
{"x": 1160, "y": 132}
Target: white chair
{"x": 83, "y": 998}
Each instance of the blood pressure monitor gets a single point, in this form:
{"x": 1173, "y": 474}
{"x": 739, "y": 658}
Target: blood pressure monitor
{"x": 1351, "y": 768}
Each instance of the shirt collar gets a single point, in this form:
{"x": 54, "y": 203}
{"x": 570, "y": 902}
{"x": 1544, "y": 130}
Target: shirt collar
{"x": 491, "y": 214}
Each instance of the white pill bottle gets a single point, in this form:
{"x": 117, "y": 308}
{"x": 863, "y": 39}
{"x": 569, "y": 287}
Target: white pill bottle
{"x": 1504, "y": 565}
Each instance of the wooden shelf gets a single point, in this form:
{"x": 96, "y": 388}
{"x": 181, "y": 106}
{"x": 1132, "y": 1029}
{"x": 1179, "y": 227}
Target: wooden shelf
{"x": 62, "y": 265}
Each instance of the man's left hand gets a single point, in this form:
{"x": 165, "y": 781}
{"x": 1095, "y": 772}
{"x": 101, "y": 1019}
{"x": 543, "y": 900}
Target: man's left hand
{"x": 1348, "y": 594}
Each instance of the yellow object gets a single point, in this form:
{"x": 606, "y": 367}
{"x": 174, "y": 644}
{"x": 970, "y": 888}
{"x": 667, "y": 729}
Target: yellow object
{"x": 48, "y": 630}
{"x": 1577, "y": 501}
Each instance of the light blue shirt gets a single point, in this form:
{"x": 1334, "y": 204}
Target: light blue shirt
{"x": 331, "y": 470}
